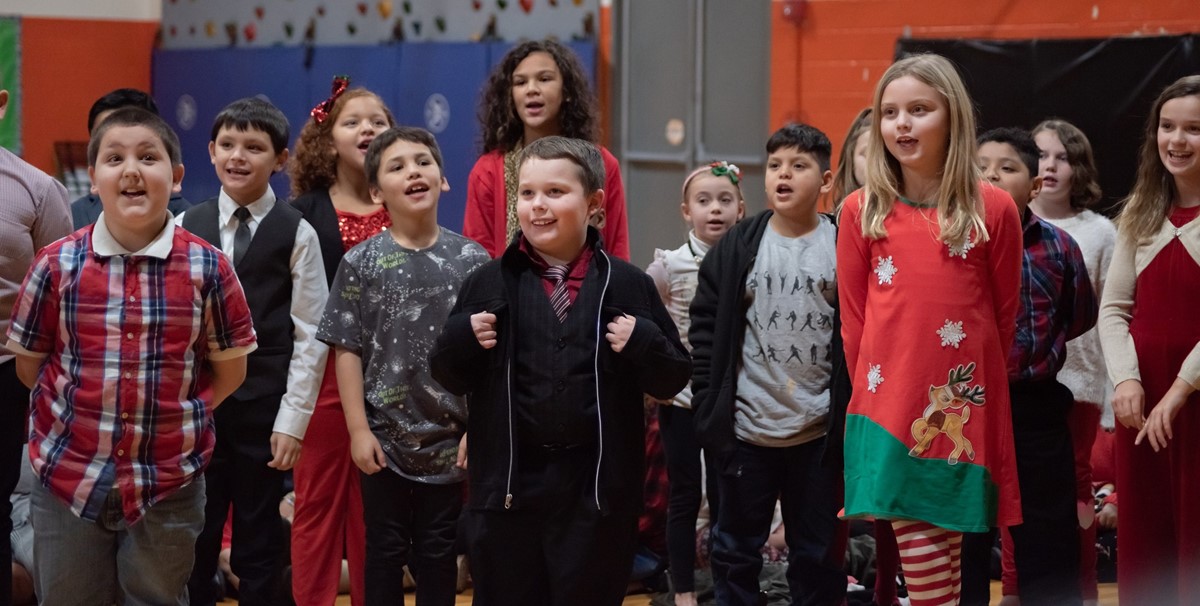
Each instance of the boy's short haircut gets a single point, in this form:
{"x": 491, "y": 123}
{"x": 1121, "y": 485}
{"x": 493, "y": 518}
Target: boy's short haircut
{"x": 583, "y": 154}
{"x": 804, "y": 138}
{"x": 134, "y": 116}
{"x": 384, "y": 140}
{"x": 122, "y": 97}
{"x": 1020, "y": 140}
{"x": 256, "y": 113}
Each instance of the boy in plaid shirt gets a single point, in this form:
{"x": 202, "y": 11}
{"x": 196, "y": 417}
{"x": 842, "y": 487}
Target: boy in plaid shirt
{"x": 129, "y": 333}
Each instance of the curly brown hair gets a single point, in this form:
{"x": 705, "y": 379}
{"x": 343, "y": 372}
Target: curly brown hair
{"x": 502, "y": 127}
{"x": 314, "y": 164}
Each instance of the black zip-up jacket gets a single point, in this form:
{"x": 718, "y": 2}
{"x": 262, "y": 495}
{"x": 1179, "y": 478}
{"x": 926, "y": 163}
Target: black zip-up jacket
{"x": 653, "y": 361}
{"x": 717, "y": 331}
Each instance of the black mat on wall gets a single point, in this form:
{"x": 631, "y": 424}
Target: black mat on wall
{"x": 1103, "y": 86}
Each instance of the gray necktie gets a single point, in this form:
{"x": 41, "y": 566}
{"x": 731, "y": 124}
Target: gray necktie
{"x": 241, "y": 237}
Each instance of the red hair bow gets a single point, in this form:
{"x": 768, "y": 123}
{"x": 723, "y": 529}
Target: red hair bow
{"x": 321, "y": 112}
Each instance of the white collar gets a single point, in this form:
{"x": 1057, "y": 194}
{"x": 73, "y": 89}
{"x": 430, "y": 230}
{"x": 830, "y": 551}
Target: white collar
{"x": 105, "y": 245}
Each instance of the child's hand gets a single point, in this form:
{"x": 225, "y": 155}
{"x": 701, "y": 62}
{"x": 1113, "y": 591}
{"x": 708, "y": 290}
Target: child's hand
{"x": 1107, "y": 517}
{"x": 366, "y": 452}
{"x": 484, "y": 326}
{"x": 619, "y": 330}
{"x": 285, "y": 451}
{"x": 1157, "y": 426}
{"x": 1129, "y": 399}
{"x": 461, "y": 462}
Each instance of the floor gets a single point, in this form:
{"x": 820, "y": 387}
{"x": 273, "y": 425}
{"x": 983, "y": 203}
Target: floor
{"x": 1108, "y": 597}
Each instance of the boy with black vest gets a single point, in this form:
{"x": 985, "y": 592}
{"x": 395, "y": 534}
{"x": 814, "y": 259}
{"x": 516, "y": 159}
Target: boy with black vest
{"x": 260, "y": 427}
{"x": 554, "y": 344}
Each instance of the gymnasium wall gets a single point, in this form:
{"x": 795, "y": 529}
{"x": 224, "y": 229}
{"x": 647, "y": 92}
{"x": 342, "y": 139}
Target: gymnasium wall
{"x": 828, "y": 54}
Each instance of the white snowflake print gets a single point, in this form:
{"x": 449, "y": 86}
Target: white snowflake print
{"x": 874, "y": 377}
{"x": 962, "y": 249}
{"x": 885, "y": 269}
{"x": 951, "y": 333}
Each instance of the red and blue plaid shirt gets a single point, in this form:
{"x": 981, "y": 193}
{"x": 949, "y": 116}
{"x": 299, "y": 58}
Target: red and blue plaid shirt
{"x": 123, "y": 399}
{"x": 1057, "y": 301}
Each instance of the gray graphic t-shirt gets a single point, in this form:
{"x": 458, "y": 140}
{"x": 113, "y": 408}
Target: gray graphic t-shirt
{"x": 388, "y": 304}
{"x": 783, "y": 384}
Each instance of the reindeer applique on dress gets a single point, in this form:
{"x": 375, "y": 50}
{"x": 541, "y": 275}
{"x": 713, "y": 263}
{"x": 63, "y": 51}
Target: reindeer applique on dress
{"x": 942, "y": 416}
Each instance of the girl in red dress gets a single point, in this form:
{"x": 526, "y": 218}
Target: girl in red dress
{"x": 929, "y": 263}
{"x": 1151, "y": 341}
{"x": 330, "y": 189}
{"x": 538, "y": 89}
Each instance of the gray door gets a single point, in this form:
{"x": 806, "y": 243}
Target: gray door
{"x": 692, "y": 87}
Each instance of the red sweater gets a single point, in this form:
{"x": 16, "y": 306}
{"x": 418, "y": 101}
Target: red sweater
{"x": 485, "y": 219}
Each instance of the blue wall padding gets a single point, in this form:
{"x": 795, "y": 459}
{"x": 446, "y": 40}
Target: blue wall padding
{"x": 407, "y": 76}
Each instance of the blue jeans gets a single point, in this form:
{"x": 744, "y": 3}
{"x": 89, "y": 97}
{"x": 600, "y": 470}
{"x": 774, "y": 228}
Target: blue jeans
{"x": 106, "y": 561}
{"x": 751, "y": 479}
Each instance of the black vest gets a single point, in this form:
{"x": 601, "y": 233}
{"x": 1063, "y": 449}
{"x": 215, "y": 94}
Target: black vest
{"x": 266, "y": 277}
{"x": 555, "y": 384}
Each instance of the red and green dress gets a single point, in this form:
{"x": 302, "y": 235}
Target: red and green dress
{"x": 927, "y": 329}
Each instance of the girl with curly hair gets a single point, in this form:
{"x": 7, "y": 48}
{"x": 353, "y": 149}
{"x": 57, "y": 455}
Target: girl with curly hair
{"x": 539, "y": 89}
{"x": 330, "y": 189}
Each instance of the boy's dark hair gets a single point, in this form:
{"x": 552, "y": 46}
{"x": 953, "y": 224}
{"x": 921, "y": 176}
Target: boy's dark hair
{"x": 256, "y": 113}
{"x": 585, "y": 155}
{"x": 384, "y": 140}
{"x": 804, "y": 138}
{"x": 135, "y": 116}
{"x": 122, "y": 97}
{"x": 1020, "y": 140}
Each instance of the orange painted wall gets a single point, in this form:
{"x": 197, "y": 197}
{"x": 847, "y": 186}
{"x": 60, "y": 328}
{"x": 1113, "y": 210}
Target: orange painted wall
{"x": 824, "y": 68}
{"x": 65, "y": 65}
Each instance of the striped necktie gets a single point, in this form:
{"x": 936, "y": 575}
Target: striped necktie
{"x": 560, "y": 300}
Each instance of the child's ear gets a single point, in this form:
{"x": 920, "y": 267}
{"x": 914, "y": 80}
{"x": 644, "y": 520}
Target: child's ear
{"x": 3, "y": 103}
{"x": 827, "y": 181}
{"x": 92, "y": 178}
{"x": 595, "y": 201}
{"x": 445, "y": 184}
{"x": 687, "y": 211}
{"x": 280, "y": 161}
{"x": 741, "y": 210}
{"x": 177, "y": 178}
{"x": 376, "y": 195}
{"x": 1036, "y": 189}
{"x": 212, "y": 152}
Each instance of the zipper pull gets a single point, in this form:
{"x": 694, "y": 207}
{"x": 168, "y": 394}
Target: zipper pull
{"x": 508, "y": 501}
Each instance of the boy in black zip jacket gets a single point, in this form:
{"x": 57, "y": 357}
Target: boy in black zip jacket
{"x": 554, "y": 344}
{"x": 766, "y": 347}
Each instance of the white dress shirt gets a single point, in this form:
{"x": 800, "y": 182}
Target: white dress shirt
{"x": 309, "y": 291}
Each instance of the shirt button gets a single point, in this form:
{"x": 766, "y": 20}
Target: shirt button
{"x": 562, "y": 343}
{"x": 559, "y": 386}
{"x": 128, "y": 335}
{"x": 120, "y": 453}
{"x": 128, "y": 375}
{"x": 132, "y": 299}
{"x": 124, "y": 415}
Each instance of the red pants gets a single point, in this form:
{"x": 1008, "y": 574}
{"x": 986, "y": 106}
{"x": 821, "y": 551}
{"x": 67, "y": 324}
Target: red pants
{"x": 329, "y": 512}
{"x": 1084, "y": 419}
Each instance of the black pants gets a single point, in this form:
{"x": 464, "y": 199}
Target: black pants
{"x": 414, "y": 524}
{"x": 752, "y": 480}
{"x": 560, "y": 550}
{"x": 678, "y": 432}
{"x": 238, "y": 475}
{"x": 14, "y": 407}
{"x": 977, "y": 568}
{"x": 1046, "y": 545}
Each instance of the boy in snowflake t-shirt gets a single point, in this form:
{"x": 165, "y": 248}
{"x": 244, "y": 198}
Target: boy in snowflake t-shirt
{"x": 764, "y": 414}
{"x": 1057, "y": 305}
